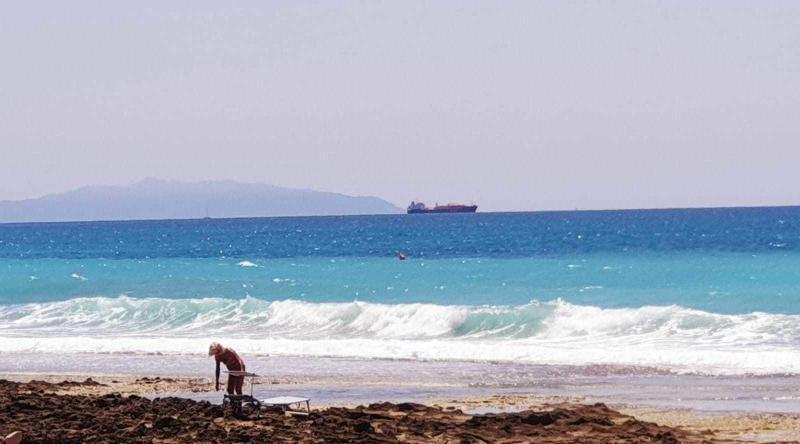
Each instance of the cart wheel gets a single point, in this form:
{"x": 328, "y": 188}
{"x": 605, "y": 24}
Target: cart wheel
{"x": 251, "y": 409}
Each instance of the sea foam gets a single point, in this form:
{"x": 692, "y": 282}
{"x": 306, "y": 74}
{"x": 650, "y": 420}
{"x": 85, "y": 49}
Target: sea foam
{"x": 247, "y": 264}
{"x": 554, "y": 332}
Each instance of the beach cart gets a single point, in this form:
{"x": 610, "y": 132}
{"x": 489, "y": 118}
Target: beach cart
{"x": 246, "y": 405}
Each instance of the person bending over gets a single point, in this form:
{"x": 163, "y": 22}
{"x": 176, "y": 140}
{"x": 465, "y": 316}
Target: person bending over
{"x": 232, "y": 361}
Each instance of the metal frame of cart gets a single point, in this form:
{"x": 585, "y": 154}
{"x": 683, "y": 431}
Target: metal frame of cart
{"x": 247, "y": 404}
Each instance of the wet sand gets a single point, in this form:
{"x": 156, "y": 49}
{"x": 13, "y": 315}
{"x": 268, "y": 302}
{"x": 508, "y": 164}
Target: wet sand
{"x": 100, "y": 410}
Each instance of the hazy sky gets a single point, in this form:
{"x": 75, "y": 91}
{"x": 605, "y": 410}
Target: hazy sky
{"x": 513, "y": 105}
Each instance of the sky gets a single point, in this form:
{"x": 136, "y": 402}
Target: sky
{"x": 530, "y": 105}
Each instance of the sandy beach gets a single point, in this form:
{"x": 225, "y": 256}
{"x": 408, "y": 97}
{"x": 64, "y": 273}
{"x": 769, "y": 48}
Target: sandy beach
{"x": 124, "y": 408}
{"x": 48, "y": 412}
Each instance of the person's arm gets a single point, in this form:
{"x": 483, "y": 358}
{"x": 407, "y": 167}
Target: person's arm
{"x": 217, "y": 380}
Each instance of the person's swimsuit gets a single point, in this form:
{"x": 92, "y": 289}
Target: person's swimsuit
{"x": 233, "y": 362}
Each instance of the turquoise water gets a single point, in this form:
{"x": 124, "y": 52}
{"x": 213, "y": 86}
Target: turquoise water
{"x": 713, "y": 290}
{"x": 718, "y": 282}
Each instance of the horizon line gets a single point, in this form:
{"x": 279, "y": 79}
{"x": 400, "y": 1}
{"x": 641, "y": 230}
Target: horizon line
{"x": 596, "y": 210}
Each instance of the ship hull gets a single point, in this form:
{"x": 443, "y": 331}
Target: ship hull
{"x": 464, "y": 209}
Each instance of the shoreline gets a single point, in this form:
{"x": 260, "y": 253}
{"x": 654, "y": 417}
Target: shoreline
{"x": 699, "y": 426}
{"x": 339, "y": 381}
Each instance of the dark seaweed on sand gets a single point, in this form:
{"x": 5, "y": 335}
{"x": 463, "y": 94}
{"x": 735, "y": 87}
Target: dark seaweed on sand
{"x": 45, "y": 417}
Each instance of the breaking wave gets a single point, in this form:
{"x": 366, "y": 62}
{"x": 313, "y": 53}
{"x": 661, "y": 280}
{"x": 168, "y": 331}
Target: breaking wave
{"x": 554, "y": 332}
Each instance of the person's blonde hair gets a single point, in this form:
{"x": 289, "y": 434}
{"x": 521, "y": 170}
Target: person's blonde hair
{"x": 214, "y": 348}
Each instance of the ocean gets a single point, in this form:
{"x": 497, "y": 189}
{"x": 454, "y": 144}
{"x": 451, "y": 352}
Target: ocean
{"x": 712, "y": 292}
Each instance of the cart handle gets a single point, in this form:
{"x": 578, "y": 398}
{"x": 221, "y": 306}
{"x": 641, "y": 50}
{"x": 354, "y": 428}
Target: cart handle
{"x": 240, "y": 373}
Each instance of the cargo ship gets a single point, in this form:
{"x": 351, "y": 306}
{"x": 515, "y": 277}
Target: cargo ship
{"x": 420, "y": 208}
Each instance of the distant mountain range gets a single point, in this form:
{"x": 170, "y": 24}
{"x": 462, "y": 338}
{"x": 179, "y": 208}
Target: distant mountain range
{"x": 160, "y": 199}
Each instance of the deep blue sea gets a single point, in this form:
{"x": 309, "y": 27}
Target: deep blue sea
{"x": 699, "y": 290}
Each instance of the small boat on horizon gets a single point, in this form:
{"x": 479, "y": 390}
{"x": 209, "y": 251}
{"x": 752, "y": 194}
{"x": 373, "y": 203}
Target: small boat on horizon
{"x": 420, "y": 208}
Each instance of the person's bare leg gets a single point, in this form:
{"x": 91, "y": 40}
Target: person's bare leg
{"x": 231, "y": 389}
{"x": 239, "y": 384}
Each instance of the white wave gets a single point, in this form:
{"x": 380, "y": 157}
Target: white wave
{"x": 78, "y": 277}
{"x": 553, "y": 332}
{"x": 247, "y": 264}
